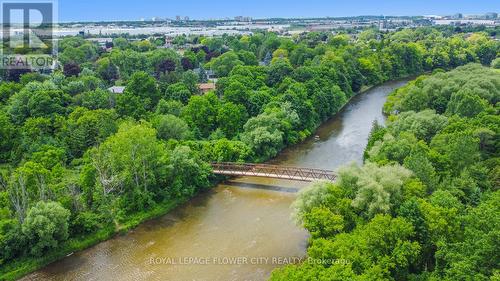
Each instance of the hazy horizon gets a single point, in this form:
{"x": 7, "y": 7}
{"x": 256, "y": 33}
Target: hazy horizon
{"x": 131, "y": 10}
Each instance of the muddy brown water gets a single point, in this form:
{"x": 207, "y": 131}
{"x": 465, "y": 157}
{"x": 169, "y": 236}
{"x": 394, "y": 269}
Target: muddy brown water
{"x": 240, "y": 230}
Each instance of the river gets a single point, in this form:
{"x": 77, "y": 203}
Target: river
{"x": 240, "y": 230}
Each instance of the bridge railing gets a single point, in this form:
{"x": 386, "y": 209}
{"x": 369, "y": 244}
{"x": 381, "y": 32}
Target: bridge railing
{"x": 272, "y": 171}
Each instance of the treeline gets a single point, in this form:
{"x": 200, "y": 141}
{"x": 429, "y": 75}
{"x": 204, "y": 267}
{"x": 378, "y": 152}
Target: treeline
{"x": 79, "y": 162}
{"x": 425, "y": 205}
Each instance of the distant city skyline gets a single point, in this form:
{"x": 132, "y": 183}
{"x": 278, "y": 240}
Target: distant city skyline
{"x": 115, "y": 10}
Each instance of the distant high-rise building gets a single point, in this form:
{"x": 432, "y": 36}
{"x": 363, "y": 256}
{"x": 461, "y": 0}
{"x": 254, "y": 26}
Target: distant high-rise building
{"x": 186, "y": 18}
{"x": 491, "y": 15}
{"x": 241, "y": 18}
{"x": 178, "y": 18}
{"x": 457, "y": 16}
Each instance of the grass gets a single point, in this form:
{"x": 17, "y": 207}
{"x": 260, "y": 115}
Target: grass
{"x": 22, "y": 266}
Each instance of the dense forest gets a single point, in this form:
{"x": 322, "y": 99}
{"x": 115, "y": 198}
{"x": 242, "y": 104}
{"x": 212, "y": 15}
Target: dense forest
{"x": 425, "y": 205}
{"x": 79, "y": 163}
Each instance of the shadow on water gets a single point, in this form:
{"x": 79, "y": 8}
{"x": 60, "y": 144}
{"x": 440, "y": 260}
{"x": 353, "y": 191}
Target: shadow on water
{"x": 69, "y": 264}
{"x": 181, "y": 212}
{"x": 262, "y": 186}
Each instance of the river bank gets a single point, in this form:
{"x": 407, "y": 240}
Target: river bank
{"x": 242, "y": 218}
{"x": 21, "y": 267}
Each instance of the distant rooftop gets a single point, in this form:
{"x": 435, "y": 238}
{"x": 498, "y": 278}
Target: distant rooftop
{"x": 206, "y": 87}
{"x": 117, "y": 89}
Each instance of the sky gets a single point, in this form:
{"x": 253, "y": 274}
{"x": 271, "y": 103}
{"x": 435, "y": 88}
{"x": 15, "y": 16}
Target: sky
{"x": 108, "y": 10}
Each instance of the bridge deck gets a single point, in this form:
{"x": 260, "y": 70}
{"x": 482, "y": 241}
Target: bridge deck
{"x": 272, "y": 171}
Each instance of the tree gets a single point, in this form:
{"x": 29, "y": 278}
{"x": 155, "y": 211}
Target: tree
{"x": 280, "y": 54}
{"x": 237, "y": 93}
{"x": 170, "y": 127}
{"x": 87, "y": 128}
{"x": 12, "y": 242}
{"x": 46, "y": 226}
{"x": 14, "y": 75}
{"x": 214, "y": 44}
{"x": 278, "y": 71}
{"x": 37, "y": 100}
{"x": 267, "y": 59}
{"x": 143, "y": 46}
{"x": 476, "y": 254}
{"x": 141, "y": 95}
{"x": 190, "y": 79}
{"x": 377, "y": 189}
{"x": 166, "y": 66}
{"x": 339, "y": 40}
{"x": 382, "y": 249}
{"x": 172, "y": 107}
{"x": 248, "y": 58}
{"x": 441, "y": 212}
{"x": 257, "y": 101}
{"x": 496, "y": 63}
{"x": 391, "y": 149}
{"x": 317, "y": 194}
{"x": 458, "y": 150}
{"x": 411, "y": 211}
{"x": 419, "y": 163}
{"x": 203, "y": 78}
{"x": 71, "y": 42}
{"x": 107, "y": 70}
{"x": 178, "y": 92}
{"x": 465, "y": 91}
{"x": 201, "y": 113}
{"x": 262, "y": 134}
{"x": 90, "y": 81}
{"x": 50, "y": 157}
{"x": 224, "y": 150}
{"x": 322, "y": 222}
{"x": 129, "y": 62}
{"x": 32, "y": 77}
{"x": 186, "y": 63}
{"x": 190, "y": 60}
{"x": 296, "y": 96}
{"x": 300, "y": 55}
{"x": 231, "y": 118}
{"x": 131, "y": 105}
{"x": 35, "y": 133}
{"x": 71, "y": 69}
{"x": 466, "y": 104}
{"x": 72, "y": 55}
{"x": 7, "y": 89}
{"x": 187, "y": 173}
{"x": 225, "y": 63}
{"x": 98, "y": 99}
{"x": 131, "y": 162}
{"x": 486, "y": 50}
{"x": 120, "y": 43}
{"x": 144, "y": 86}
{"x": 7, "y": 137}
{"x": 424, "y": 125}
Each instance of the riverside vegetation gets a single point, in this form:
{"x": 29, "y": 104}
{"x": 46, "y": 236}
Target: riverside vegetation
{"x": 79, "y": 163}
{"x": 425, "y": 205}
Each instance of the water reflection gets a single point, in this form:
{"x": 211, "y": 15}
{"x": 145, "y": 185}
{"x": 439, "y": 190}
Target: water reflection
{"x": 262, "y": 186}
